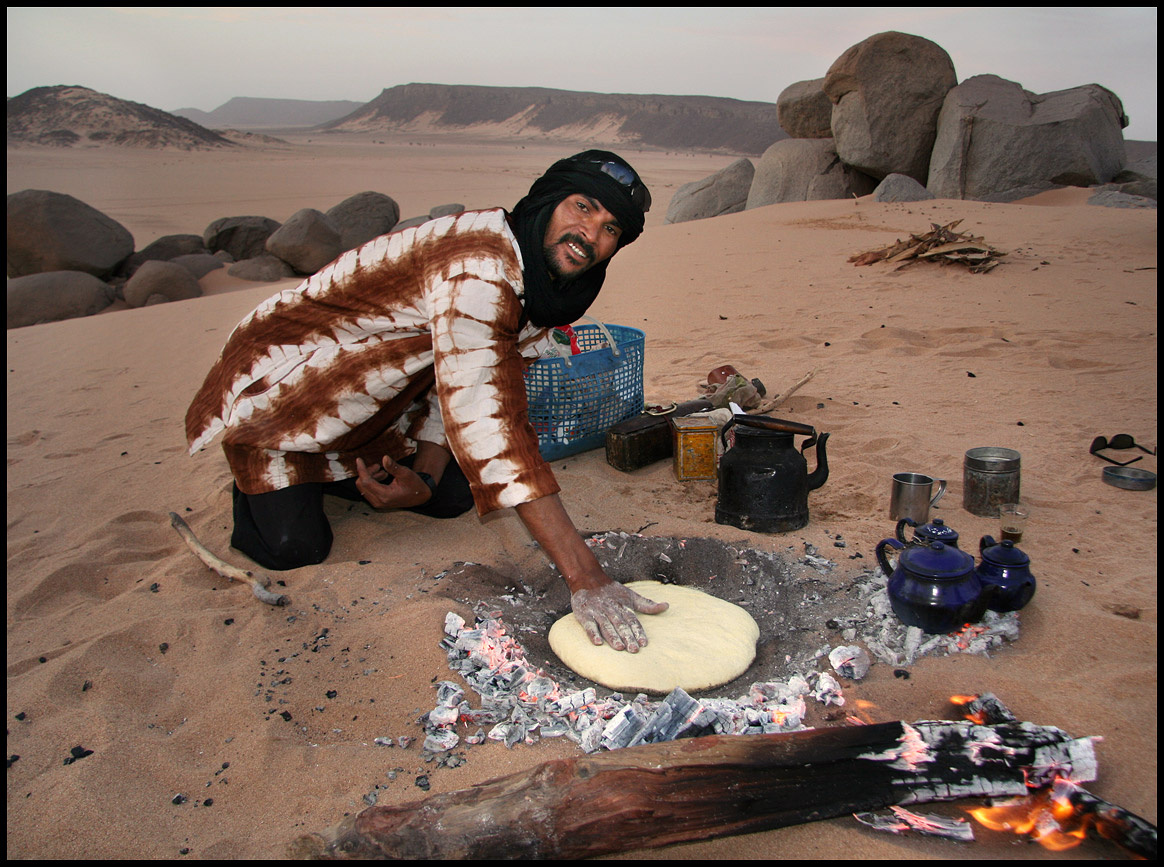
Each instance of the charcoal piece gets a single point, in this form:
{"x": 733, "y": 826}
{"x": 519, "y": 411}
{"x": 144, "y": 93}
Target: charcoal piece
{"x": 573, "y": 702}
{"x": 449, "y": 694}
{"x": 623, "y": 728}
{"x": 441, "y": 740}
{"x": 76, "y": 754}
{"x": 454, "y": 623}
{"x": 678, "y": 715}
{"x": 899, "y": 820}
{"x": 850, "y": 661}
{"x": 442, "y": 716}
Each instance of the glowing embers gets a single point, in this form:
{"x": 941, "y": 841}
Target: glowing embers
{"x": 523, "y": 704}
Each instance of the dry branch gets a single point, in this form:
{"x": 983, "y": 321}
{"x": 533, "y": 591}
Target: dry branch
{"x": 942, "y": 244}
{"x": 258, "y": 586}
{"x": 773, "y": 402}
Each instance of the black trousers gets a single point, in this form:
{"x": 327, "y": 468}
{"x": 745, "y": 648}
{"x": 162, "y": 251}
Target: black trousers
{"x": 286, "y": 529}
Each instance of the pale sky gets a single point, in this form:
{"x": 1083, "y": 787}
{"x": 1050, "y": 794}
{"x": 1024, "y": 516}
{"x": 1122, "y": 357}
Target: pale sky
{"x": 199, "y": 57}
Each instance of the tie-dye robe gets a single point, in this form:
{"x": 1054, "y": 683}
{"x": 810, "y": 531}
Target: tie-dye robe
{"x": 343, "y": 366}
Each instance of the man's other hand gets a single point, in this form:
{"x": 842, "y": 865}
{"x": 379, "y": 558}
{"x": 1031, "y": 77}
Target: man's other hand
{"x": 608, "y": 613}
{"x": 389, "y": 485}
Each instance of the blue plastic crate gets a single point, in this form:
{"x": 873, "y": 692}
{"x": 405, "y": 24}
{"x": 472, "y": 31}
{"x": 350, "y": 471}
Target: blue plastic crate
{"x": 574, "y": 400}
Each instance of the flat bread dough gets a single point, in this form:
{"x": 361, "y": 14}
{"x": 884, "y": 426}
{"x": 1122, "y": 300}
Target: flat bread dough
{"x": 698, "y": 643}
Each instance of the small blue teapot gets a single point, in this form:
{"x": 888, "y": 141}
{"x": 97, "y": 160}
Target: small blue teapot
{"x": 934, "y": 586}
{"x": 935, "y": 531}
{"x": 1008, "y": 570}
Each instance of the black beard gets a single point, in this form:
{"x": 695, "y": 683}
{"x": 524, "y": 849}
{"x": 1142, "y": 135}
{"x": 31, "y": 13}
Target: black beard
{"x": 552, "y": 260}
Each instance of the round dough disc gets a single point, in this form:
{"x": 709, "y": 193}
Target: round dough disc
{"x": 698, "y": 643}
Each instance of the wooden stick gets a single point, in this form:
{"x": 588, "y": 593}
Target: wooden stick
{"x": 770, "y": 404}
{"x": 258, "y": 586}
{"x": 706, "y": 787}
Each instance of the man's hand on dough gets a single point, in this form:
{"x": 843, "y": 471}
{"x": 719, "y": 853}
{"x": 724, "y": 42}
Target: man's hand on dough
{"x": 403, "y": 490}
{"x": 608, "y": 613}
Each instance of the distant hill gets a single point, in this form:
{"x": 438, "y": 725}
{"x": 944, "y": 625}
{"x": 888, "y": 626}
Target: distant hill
{"x": 250, "y": 113}
{"x": 68, "y": 115}
{"x": 669, "y": 122}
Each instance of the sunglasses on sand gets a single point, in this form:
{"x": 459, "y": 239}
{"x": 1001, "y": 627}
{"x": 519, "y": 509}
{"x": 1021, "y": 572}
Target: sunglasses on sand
{"x": 639, "y": 194}
{"x": 1119, "y": 441}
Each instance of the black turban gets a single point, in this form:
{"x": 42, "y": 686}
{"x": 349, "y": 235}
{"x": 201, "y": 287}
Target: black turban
{"x": 622, "y": 193}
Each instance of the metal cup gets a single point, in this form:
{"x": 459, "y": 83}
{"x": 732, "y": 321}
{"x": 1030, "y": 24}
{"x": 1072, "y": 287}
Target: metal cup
{"x": 911, "y": 496}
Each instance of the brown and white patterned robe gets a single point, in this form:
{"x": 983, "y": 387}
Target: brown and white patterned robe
{"x": 343, "y": 366}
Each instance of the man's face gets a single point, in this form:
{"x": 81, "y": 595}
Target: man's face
{"x": 580, "y": 235}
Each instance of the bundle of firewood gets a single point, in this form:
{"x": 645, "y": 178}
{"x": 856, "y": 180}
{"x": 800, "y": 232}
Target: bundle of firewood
{"x": 942, "y": 244}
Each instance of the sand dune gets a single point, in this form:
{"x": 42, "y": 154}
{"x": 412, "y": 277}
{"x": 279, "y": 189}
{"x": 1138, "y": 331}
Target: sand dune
{"x": 118, "y": 641}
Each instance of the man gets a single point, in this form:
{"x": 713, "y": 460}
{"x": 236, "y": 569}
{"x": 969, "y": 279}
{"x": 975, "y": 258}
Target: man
{"x": 394, "y": 376}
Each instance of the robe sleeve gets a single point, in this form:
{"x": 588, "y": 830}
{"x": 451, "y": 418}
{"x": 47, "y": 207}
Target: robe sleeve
{"x": 475, "y": 314}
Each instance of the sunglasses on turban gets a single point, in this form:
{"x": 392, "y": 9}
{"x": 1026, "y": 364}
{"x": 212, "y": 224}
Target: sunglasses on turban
{"x": 639, "y": 194}
{"x": 1119, "y": 441}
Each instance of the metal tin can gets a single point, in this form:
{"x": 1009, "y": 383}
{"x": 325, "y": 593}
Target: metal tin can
{"x": 694, "y": 438}
{"x": 990, "y": 478}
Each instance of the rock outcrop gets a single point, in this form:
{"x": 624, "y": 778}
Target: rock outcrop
{"x": 156, "y": 278}
{"x": 1116, "y": 199}
{"x": 307, "y": 241}
{"x": 250, "y": 113}
{"x": 198, "y": 264}
{"x": 804, "y": 170}
{"x": 55, "y": 232}
{"x": 448, "y": 210}
{"x": 887, "y": 92}
{"x": 997, "y": 141}
{"x": 263, "y": 269}
{"x": 672, "y": 122}
{"x": 901, "y": 188}
{"x": 724, "y": 192}
{"x": 166, "y": 248}
{"x": 55, "y": 295}
{"x": 364, "y": 216}
{"x": 241, "y": 237}
{"x": 805, "y": 111}
{"x": 68, "y": 115}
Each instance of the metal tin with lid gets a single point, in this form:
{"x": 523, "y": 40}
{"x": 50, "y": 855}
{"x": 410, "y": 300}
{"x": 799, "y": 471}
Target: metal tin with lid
{"x": 990, "y": 476}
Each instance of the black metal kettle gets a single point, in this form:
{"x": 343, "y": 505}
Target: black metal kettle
{"x": 763, "y": 480}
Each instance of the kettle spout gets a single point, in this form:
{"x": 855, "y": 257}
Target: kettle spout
{"x": 821, "y": 474}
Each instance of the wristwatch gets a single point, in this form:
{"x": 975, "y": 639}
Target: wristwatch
{"x": 428, "y": 480}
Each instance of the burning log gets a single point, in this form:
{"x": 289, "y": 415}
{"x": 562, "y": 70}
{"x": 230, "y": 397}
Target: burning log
{"x": 700, "y": 788}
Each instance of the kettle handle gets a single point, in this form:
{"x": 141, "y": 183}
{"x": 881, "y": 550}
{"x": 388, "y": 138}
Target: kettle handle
{"x": 768, "y": 423}
{"x": 901, "y": 525}
{"x": 883, "y": 559}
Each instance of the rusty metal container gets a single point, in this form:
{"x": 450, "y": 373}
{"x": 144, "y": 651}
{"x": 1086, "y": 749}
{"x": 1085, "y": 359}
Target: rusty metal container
{"x": 694, "y": 444}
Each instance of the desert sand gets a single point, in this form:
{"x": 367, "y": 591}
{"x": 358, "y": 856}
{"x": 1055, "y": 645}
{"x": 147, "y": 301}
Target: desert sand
{"x": 119, "y": 641}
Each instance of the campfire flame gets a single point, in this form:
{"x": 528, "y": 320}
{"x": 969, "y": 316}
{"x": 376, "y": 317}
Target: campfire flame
{"x": 1047, "y": 816}
{"x": 862, "y": 713}
{"x": 976, "y": 717}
